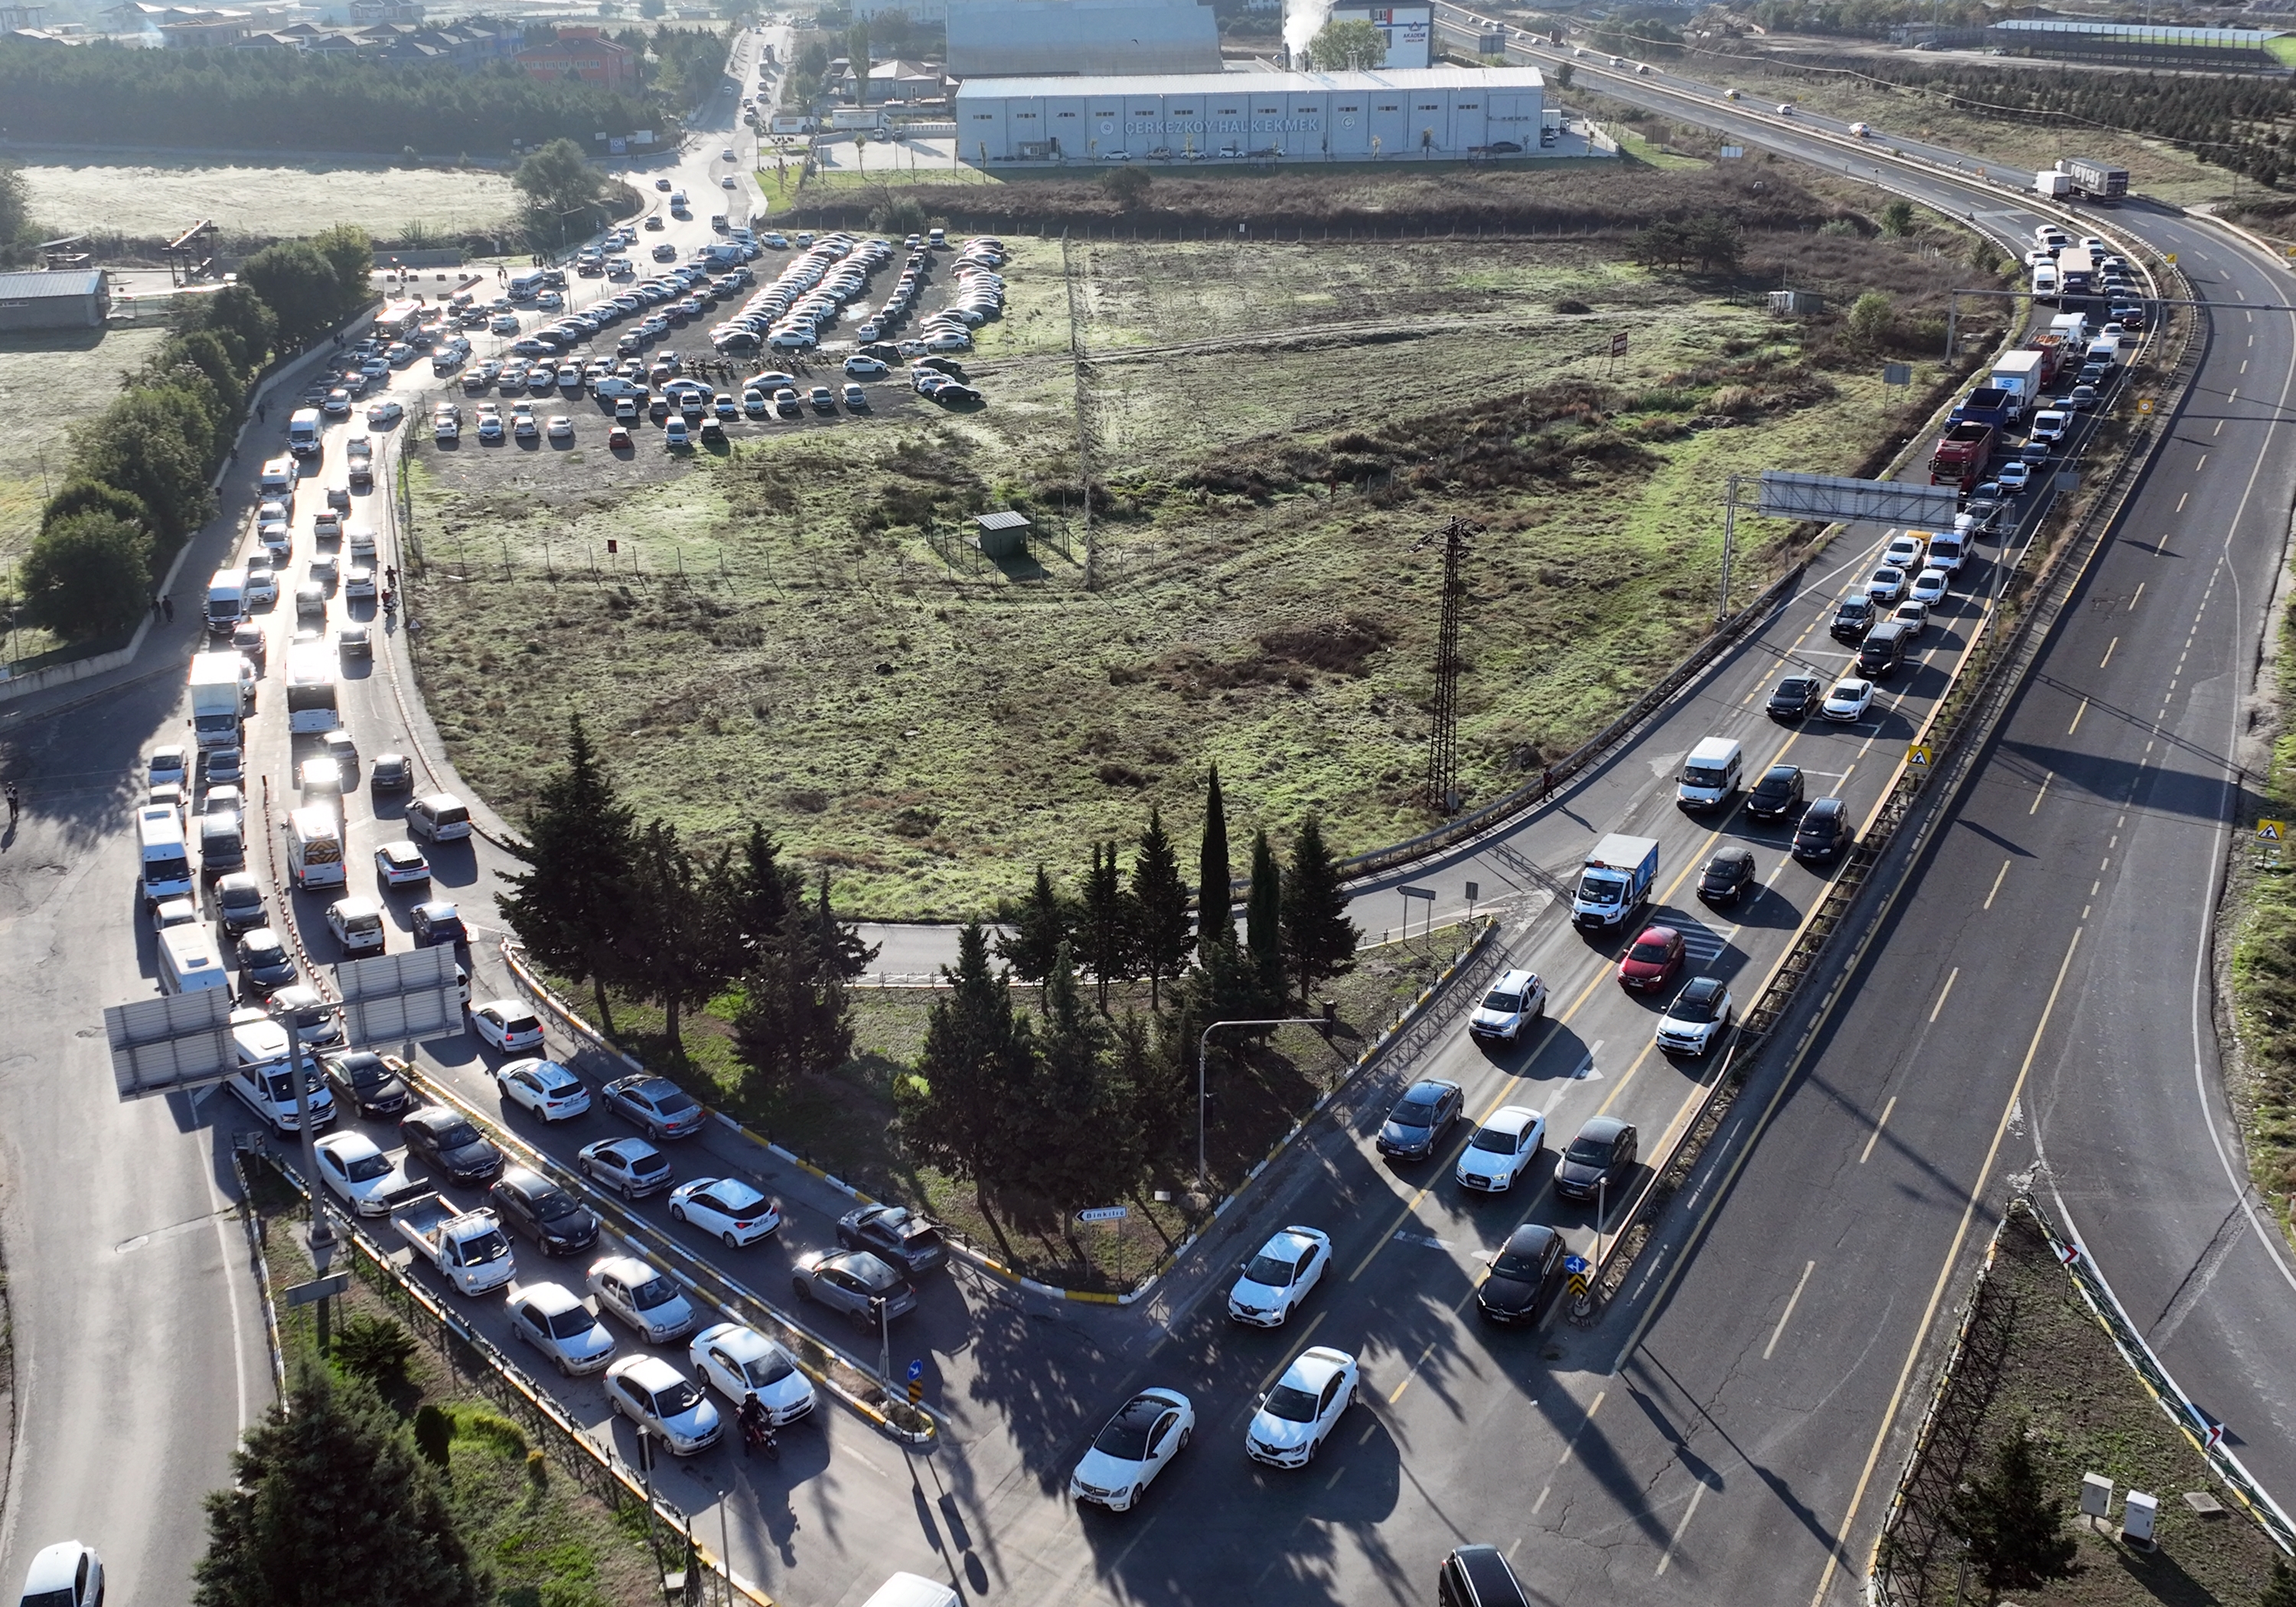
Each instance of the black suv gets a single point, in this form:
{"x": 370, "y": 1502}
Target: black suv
{"x": 543, "y": 1212}
{"x": 1853, "y": 618}
{"x": 452, "y": 1145}
{"x": 1823, "y": 831}
{"x": 1726, "y": 877}
{"x": 1779, "y": 793}
{"x": 369, "y": 1082}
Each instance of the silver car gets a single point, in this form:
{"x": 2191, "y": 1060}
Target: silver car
{"x": 853, "y": 1281}
{"x": 557, "y": 1322}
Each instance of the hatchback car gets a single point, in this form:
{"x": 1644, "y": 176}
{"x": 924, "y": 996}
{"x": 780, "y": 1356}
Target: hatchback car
{"x": 543, "y": 1212}
{"x": 1419, "y": 1119}
{"x": 390, "y": 773}
{"x": 1823, "y": 830}
{"x": 894, "y": 1234}
{"x": 66, "y": 1574}
{"x": 1517, "y": 1000}
{"x": 1598, "y": 1160}
{"x": 1931, "y": 587}
{"x": 239, "y": 903}
{"x": 362, "y": 1176}
{"x": 1295, "y": 1417}
{"x": 401, "y": 865}
{"x": 1138, "y": 1443}
{"x": 649, "y": 1301}
{"x": 663, "y": 1402}
{"x": 1851, "y": 698}
{"x": 1778, "y": 794}
{"x": 1501, "y": 1149}
{"x": 742, "y": 1363}
{"x": 853, "y": 1281}
{"x": 1652, "y": 959}
{"x": 1700, "y": 1013}
{"x": 508, "y": 1025}
{"x": 560, "y": 1324}
{"x": 541, "y": 1088}
{"x": 451, "y": 1143}
{"x": 1524, "y": 1277}
{"x": 437, "y": 923}
{"x": 265, "y": 962}
{"x": 657, "y": 1105}
{"x": 1726, "y": 877}
{"x": 631, "y": 1167}
{"x": 1270, "y": 1286}
{"x": 1795, "y": 697}
{"x": 726, "y": 1208}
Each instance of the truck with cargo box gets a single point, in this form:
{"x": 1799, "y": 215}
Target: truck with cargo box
{"x": 1614, "y": 882}
{"x": 1962, "y": 454}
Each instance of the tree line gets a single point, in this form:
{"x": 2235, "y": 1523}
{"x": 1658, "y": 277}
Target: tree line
{"x": 631, "y": 908}
{"x": 1074, "y": 1106}
{"x": 139, "y": 479}
{"x": 104, "y": 94}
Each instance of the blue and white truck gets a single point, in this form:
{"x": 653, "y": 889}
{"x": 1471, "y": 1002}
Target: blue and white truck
{"x": 1615, "y": 882}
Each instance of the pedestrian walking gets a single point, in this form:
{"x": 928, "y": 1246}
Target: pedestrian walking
{"x": 168, "y": 607}
{"x": 262, "y": 411}
{"x": 14, "y": 803}
{"x": 155, "y": 611}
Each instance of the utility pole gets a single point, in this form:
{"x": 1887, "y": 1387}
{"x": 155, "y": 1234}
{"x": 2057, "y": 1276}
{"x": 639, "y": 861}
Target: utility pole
{"x": 1442, "y": 785}
{"x": 1083, "y": 421}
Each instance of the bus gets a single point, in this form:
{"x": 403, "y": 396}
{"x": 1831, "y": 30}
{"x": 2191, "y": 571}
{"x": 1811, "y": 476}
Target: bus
{"x": 311, "y": 688}
{"x": 527, "y": 284}
{"x": 397, "y": 319}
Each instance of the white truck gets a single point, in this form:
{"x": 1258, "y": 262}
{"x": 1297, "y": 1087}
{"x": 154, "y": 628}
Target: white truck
{"x": 469, "y": 1248}
{"x": 214, "y": 699}
{"x": 2019, "y": 374}
{"x": 1615, "y": 882}
{"x": 2052, "y": 184}
{"x": 227, "y": 600}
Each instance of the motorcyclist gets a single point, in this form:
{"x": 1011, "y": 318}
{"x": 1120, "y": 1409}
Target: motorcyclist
{"x": 757, "y": 1424}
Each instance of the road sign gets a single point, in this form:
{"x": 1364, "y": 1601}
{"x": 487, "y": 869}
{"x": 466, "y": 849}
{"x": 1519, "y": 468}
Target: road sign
{"x": 1897, "y": 373}
{"x": 1105, "y": 1213}
{"x": 1918, "y": 756}
{"x": 916, "y": 1370}
{"x": 318, "y": 1288}
{"x": 1578, "y": 1265}
{"x": 2070, "y": 1254}
{"x": 2170, "y": 259}
{"x": 2144, "y": 404}
{"x": 1618, "y": 344}
{"x": 1409, "y": 891}
{"x": 916, "y": 1393}
{"x": 2272, "y": 830}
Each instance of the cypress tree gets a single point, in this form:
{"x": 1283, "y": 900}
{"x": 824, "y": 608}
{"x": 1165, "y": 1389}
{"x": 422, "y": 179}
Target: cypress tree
{"x": 2016, "y": 1534}
{"x": 1108, "y": 920}
{"x": 1319, "y": 941}
{"x": 1035, "y": 930}
{"x": 1159, "y": 900}
{"x": 1215, "y": 911}
{"x": 1263, "y": 919}
{"x": 580, "y": 837}
{"x": 956, "y": 1112}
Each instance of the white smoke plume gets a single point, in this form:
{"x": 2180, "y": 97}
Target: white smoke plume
{"x": 1303, "y": 20}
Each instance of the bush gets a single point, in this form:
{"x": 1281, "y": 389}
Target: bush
{"x": 374, "y": 1348}
{"x": 1897, "y": 219}
{"x": 1872, "y": 319}
{"x": 898, "y": 214}
{"x": 87, "y": 575}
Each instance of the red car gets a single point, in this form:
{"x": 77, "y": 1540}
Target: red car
{"x": 617, "y": 439}
{"x": 1652, "y": 960}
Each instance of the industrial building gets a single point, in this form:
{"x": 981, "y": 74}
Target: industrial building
{"x": 1044, "y": 38}
{"x": 77, "y": 298}
{"x": 1435, "y": 111}
{"x": 1409, "y": 31}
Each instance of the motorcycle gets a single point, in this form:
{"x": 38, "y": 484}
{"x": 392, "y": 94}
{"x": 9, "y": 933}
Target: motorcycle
{"x": 758, "y": 1434}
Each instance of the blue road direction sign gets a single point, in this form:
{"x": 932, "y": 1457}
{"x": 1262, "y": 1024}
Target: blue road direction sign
{"x": 916, "y": 1371}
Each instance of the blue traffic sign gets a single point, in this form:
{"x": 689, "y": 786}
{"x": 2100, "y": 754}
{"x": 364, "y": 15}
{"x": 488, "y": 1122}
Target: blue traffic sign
{"x": 1576, "y": 1264}
{"x": 916, "y": 1371}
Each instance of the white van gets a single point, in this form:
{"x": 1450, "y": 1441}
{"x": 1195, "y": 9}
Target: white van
{"x": 315, "y": 847}
{"x": 227, "y": 600}
{"x": 166, "y": 859}
{"x": 441, "y": 818}
{"x": 914, "y": 1590}
{"x": 189, "y": 960}
{"x": 2046, "y": 282}
{"x": 303, "y": 428}
{"x": 264, "y": 1081}
{"x": 1711, "y": 773}
{"x": 279, "y": 475}
{"x": 1948, "y": 550}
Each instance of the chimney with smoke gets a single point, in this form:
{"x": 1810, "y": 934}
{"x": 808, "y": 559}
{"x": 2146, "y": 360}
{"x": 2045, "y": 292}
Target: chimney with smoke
{"x": 1303, "y": 20}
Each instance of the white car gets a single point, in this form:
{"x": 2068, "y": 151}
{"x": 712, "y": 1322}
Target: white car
{"x": 1517, "y": 1000}
{"x": 1278, "y": 1278}
{"x": 728, "y": 1207}
{"x": 648, "y": 1300}
{"x": 357, "y": 925}
{"x": 1859, "y": 130}
{"x": 1300, "y": 1413}
{"x": 740, "y": 1361}
{"x": 2015, "y": 477}
{"x": 1904, "y": 552}
{"x": 362, "y": 1176}
{"x": 1501, "y": 1148}
{"x": 664, "y": 1402}
{"x": 1886, "y": 584}
{"x": 1139, "y": 1442}
{"x": 1930, "y": 587}
{"x": 383, "y": 414}
{"x": 358, "y": 583}
{"x": 1848, "y": 699}
{"x": 166, "y": 767}
{"x": 562, "y": 428}
{"x": 173, "y": 912}
{"x": 543, "y": 1087}
{"x": 508, "y": 1025}
{"x": 557, "y": 1322}
{"x": 1700, "y": 1013}
{"x": 401, "y": 865}
{"x": 1914, "y": 613}
{"x": 865, "y": 368}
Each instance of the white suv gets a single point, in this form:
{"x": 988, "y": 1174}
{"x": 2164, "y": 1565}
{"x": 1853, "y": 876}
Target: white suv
{"x": 1516, "y": 1000}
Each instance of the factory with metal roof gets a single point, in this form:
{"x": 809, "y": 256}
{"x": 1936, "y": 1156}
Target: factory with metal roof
{"x": 73, "y": 299}
{"x": 1401, "y": 113}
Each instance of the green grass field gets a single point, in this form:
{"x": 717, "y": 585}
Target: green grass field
{"x": 1279, "y": 427}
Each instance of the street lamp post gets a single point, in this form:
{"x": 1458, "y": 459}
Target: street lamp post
{"x": 323, "y": 1236}
{"x": 1203, "y": 1053}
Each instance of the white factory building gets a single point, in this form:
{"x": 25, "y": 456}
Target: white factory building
{"x": 1440, "y": 111}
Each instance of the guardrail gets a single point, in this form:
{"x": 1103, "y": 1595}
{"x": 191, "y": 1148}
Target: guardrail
{"x": 601, "y": 1472}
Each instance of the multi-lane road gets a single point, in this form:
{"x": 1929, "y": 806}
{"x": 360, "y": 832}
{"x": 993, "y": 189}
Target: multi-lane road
{"x": 2040, "y": 990}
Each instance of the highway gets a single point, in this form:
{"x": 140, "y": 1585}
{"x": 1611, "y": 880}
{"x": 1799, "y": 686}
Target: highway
{"x": 1747, "y": 1435}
